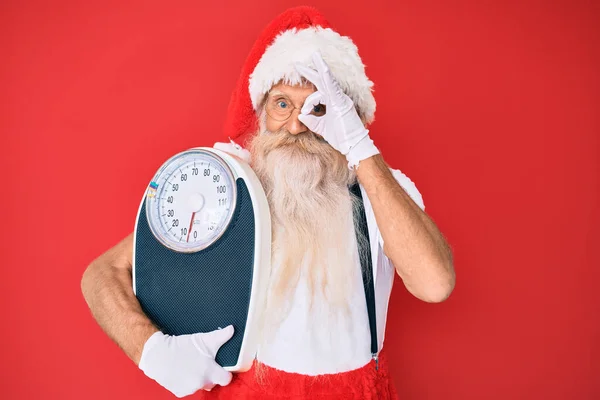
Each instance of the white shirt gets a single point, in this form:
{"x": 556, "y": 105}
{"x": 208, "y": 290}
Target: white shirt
{"x": 335, "y": 346}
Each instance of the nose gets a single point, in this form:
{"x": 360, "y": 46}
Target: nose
{"x": 294, "y": 125}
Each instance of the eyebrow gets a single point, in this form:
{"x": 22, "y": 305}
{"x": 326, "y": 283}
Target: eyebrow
{"x": 278, "y": 93}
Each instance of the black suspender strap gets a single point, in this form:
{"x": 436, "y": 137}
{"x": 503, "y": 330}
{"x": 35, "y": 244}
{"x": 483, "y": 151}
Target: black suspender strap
{"x": 366, "y": 268}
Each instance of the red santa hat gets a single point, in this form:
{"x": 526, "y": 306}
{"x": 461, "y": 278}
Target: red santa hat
{"x": 293, "y": 37}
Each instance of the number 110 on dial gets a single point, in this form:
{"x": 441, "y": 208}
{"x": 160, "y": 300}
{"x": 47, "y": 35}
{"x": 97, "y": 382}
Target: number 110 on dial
{"x": 191, "y": 200}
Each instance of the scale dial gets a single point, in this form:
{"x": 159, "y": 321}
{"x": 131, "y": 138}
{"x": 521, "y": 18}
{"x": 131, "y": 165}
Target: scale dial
{"x": 191, "y": 200}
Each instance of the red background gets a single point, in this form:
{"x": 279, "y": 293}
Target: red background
{"x": 490, "y": 107}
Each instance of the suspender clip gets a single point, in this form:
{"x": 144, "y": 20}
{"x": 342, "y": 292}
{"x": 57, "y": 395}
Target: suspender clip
{"x": 376, "y": 358}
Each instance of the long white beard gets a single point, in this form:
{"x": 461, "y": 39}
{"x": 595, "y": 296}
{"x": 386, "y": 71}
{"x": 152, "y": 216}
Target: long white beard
{"x": 306, "y": 182}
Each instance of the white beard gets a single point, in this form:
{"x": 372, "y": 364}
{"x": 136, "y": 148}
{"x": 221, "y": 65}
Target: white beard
{"x": 306, "y": 182}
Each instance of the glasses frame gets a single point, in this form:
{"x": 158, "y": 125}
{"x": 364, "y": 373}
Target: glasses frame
{"x": 289, "y": 101}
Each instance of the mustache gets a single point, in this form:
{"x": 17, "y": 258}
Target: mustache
{"x": 306, "y": 141}
{"x": 306, "y": 157}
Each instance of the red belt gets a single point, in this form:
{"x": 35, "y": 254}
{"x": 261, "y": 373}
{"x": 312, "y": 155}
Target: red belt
{"x": 363, "y": 383}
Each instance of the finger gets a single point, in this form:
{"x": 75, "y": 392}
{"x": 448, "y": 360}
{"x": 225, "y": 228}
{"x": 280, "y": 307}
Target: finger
{"x": 215, "y": 339}
{"x": 209, "y": 387}
{"x": 323, "y": 69}
{"x": 330, "y": 84}
{"x": 320, "y": 64}
{"x": 311, "y": 101}
{"x": 310, "y": 74}
{"x": 220, "y": 376}
{"x": 312, "y": 122}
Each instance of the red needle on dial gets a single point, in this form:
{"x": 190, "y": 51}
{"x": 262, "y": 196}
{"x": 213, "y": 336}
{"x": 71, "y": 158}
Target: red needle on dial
{"x": 191, "y": 223}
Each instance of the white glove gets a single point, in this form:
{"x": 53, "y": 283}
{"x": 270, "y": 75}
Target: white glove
{"x": 234, "y": 149}
{"x": 186, "y": 363}
{"x": 341, "y": 126}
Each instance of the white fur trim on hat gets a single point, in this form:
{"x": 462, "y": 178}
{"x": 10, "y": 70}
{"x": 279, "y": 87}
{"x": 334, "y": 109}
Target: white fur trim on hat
{"x": 292, "y": 46}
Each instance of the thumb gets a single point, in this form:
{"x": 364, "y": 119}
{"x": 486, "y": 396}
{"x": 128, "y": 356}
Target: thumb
{"x": 220, "y": 375}
{"x": 312, "y": 122}
{"x": 215, "y": 339}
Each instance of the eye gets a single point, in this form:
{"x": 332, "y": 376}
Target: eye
{"x": 281, "y": 104}
{"x": 318, "y": 110}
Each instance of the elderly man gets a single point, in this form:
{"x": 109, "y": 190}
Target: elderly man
{"x": 304, "y": 102}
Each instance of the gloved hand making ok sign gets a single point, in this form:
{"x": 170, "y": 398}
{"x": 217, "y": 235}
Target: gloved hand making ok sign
{"x": 341, "y": 125}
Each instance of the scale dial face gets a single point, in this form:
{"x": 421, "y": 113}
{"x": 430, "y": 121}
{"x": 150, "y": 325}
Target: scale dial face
{"x": 191, "y": 200}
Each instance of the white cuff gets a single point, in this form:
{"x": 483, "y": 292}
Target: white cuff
{"x": 362, "y": 150}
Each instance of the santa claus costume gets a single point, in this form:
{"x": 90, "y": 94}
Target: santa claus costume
{"x": 294, "y": 363}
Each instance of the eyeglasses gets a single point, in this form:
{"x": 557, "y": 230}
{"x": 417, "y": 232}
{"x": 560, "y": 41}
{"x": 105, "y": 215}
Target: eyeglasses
{"x": 280, "y": 108}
